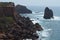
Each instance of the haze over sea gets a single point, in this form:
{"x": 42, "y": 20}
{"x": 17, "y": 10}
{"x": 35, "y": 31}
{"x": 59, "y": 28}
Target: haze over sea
{"x": 51, "y": 26}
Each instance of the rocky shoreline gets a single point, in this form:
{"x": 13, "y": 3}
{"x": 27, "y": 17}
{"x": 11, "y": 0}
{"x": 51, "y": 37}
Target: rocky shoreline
{"x": 15, "y": 27}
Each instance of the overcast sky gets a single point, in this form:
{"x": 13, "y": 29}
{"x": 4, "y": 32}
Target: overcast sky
{"x": 35, "y": 2}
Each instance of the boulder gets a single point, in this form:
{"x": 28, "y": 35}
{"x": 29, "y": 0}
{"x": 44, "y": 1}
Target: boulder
{"x": 48, "y": 13}
{"x": 38, "y": 27}
{"x": 22, "y": 9}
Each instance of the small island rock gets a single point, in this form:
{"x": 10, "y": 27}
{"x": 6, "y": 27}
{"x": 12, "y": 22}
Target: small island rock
{"x": 48, "y": 13}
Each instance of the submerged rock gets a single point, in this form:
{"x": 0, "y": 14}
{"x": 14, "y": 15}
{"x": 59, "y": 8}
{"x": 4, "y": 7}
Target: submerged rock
{"x": 48, "y": 13}
{"x": 22, "y": 9}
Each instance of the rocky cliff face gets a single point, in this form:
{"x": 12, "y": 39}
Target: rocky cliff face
{"x": 48, "y": 13}
{"x": 6, "y": 11}
{"x": 22, "y": 9}
{"x": 15, "y": 27}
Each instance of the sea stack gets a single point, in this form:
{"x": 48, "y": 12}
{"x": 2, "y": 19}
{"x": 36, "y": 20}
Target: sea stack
{"x": 48, "y": 13}
{"x": 22, "y": 9}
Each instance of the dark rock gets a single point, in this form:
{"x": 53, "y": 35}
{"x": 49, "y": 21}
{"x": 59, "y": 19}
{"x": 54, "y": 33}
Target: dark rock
{"x": 38, "y": 27}
{"x": 48, "y": 13}
{"x": 22, "y": 9}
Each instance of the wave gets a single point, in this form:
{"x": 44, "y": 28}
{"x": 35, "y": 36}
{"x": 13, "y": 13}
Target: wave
{"x": 41, "y": 14}
{"x": 56, "y": 18}
{"x": 34, "y": 21}
{"x": 45, "y": 34}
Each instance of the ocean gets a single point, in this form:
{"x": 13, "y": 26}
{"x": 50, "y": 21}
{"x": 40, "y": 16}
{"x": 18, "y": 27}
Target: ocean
{"x": 51, "y": 26}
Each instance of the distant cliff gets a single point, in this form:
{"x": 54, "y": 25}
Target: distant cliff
{"x": 48, "y": 13}
{"x": 22, "y": 9}
{"x": 15, "y": 27}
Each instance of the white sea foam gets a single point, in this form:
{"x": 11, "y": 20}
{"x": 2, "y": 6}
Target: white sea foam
{"x": 56, "y": 18}
{"x": 46, "y": 32}
{"x": 43, "y": 35}
{"x": 34, "y": 21}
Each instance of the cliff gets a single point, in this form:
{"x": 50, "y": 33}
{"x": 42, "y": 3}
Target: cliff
{"x": 10, "y": 11}
{"x": 15, "y": 27}
{"x": 6, "y": 9}
{"x": 48, "y": 13}
{"x": 22, "y": 9}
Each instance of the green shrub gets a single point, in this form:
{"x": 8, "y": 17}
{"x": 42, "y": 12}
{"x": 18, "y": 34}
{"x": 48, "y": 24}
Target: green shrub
{"x": 3, "y": 4}
{"x": 9, "y": 19}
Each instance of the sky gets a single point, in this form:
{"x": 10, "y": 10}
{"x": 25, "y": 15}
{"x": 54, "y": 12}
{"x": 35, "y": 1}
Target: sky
{"x": 35, "y": 2}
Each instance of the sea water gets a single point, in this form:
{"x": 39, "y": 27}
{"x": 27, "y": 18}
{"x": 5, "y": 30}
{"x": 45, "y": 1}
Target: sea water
{"x": 51, "y": 26}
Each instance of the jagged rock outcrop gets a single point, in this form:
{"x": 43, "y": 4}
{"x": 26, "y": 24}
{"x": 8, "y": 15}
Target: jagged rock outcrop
{"x": 48, "y": 13}
{"x": 22, "y": 9}
{"x": 15, "y": 27}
